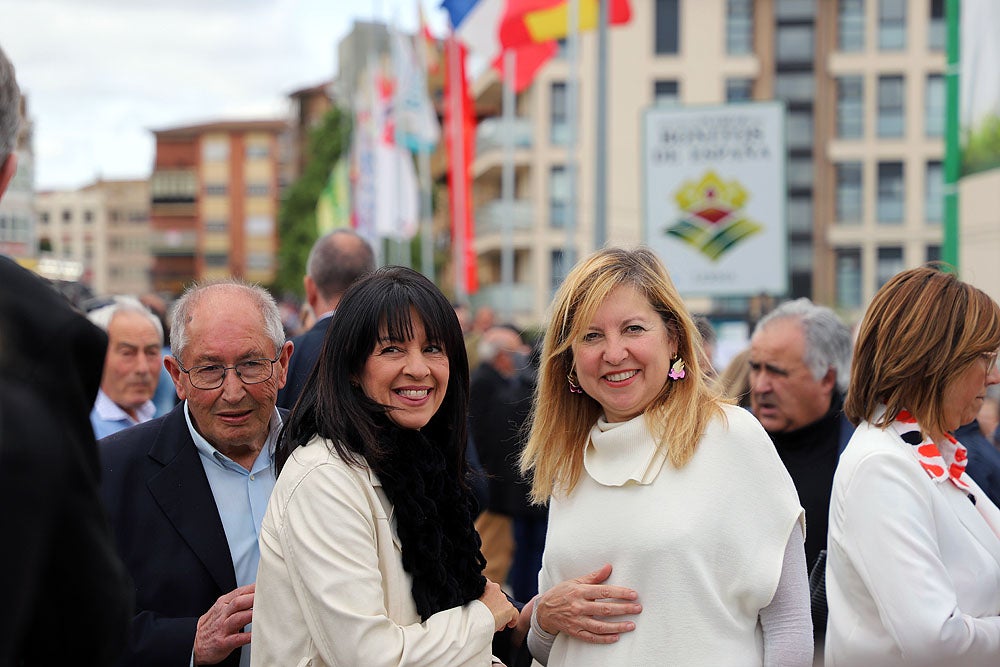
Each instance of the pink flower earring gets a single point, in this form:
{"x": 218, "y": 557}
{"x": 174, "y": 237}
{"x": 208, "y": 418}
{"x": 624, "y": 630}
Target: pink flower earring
{"x": 574, "y": 385}
{"x": 677, "y": 370}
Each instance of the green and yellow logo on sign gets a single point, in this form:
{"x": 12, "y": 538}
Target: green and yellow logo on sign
{"x": 713, "y": 221}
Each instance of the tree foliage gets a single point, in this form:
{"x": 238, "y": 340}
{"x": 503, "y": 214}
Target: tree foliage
{"x": 328, "y": 141}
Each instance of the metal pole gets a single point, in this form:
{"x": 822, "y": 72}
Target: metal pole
{"x": 601, "y": 157}
{"x": 953, "y": 150}
{"x": 572, "y": 120}
{"x": 426, "y": 216}
{"x": 507, "y": 188}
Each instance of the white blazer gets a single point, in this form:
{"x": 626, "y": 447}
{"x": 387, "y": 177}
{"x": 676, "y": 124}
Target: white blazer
{"x": 331, "y": 588}
{"x": 913, "y": 569}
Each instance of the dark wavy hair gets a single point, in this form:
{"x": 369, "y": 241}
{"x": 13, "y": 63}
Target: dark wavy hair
{"x": 333, "y": 405}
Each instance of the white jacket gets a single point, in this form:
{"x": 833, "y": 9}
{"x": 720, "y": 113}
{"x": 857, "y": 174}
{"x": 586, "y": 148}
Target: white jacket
{"x": 331, "y": 588}
{"x": 913, "y": 569}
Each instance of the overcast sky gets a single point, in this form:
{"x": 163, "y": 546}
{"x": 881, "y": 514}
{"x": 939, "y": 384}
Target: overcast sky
{"x": 100, "y": 74}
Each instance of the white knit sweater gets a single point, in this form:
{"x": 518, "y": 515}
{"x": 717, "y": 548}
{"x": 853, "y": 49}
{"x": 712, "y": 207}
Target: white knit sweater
{"x": 702, "y": 545}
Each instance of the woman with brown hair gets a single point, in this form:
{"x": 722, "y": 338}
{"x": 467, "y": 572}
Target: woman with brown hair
{"x": 913, "y": 571}
{"x": 645, "y": 467}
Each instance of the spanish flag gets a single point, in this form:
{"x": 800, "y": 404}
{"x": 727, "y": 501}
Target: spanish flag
{"x": 534, "y": 21}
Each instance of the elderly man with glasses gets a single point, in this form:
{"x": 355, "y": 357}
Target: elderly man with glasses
{"x": 187, "y": 491}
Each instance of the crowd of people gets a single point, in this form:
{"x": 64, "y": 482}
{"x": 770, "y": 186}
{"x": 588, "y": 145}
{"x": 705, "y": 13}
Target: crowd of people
{"x": 406, "y": 483}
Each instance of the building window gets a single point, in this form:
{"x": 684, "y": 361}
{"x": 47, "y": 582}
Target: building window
{"x": 258, "y": 151}
{"x": 559, "y": 126}
{"x": 850, "y": 107}
{"x": 892, "y": 25}
{"x": 937, "y": 28}
{"x": 934, "y": 106}
{"x": 258, "y": 189}
{"x": 795, "y": 43}
{"x": 216, "y": 189}
{"x": 848, "y": 270}
{"x": 216, "y": 260}
{"x": 666, "y": 35}
{"x": 45, "y": 217}
{"x": 890, "y": 193}
{"x": 67, "y": 215}
{"x": 795, "y": 87}
{"x": 558, "y": 196}
{"x": 800, "y": 256}
{"x": 890, "y": 262}
{"x": 851, "y": 25}
{"x": 215, "y": 150}
{"x": 890, "y": 106}
{"x": 216, "y": 226}
{"x": 739, "y": 90}
{"x": 259, "y": 261}
{"x": 800, "y": 172}
{"x": 260, "y": 225}
{"x": 800, "y": 129}
{"x": 850, "y": 199}
{"x": 173, "y": 186}
{"x": 795, "y": 10}
{"x": 800, "y": 214}
{"x": 665, "y": 92}
{"x": 88, "y": 216}
{"x": 557, "y": 270}
{"x": 933, "y": 253}
{"x": 739, "y": 27}
{"x": 934, "y": 193}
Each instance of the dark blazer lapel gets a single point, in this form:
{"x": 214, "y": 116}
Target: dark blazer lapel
{"x": 182, "y": 491}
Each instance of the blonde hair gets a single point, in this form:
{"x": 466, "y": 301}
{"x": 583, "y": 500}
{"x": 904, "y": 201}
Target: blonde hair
{"x": 561, "y": 421}
{"x": 921, "y": 330}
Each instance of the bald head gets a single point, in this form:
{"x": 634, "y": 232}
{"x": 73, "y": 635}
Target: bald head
{"x": 336, "y": 260}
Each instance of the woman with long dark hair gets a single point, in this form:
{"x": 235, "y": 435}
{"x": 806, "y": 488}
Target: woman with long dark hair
{"x": 368, "y": 551}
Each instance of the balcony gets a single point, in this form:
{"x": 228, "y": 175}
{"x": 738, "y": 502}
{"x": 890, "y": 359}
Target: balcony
{"x": 491, "y": 216}
{"x": 493, "y": 132}
{"x": 173, "y": 242}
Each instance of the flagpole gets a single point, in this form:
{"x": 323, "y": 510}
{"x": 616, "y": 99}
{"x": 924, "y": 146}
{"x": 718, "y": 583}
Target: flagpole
{"x": 601, "y": 157}
{"x": 572, "y": 86}
{"x": 953, "y": 149}
{"x": 507, "y": 187}
{"x": 426, "y": 215}
{"x": 457, "y": 158}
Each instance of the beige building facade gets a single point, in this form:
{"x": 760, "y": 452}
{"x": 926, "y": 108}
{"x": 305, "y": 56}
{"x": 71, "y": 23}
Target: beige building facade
{"x": 863, "y": 89}
{"x": 98, "y": 235}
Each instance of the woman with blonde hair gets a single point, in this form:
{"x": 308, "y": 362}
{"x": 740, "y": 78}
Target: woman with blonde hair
{"x": 913, "y": 569}
{"x": 646, "y": 468}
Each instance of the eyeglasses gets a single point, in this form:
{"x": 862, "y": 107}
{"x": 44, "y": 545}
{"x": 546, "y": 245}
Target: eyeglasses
{"x": 991, "y": 359}
{"x": 251, "y": 371}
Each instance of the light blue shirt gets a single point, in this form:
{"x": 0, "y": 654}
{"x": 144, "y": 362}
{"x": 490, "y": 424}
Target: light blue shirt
{"x": 107, "y": 417}
{"x": 241, "y": 497}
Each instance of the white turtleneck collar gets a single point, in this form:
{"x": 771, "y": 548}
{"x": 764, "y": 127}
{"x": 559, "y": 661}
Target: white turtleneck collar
{"x": 620, "y": 452}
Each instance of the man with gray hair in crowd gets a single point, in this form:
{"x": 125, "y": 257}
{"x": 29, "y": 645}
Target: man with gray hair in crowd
{"x": 800, "y": 361}
{"x": 336, "y": 260}
{"x": 187, "y": 491}
{"x": 131, "y": 367}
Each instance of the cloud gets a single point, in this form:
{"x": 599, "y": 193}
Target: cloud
{"x": 99, "y": 74}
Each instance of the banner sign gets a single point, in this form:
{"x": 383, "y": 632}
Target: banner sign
{"x": 715, "y": 197}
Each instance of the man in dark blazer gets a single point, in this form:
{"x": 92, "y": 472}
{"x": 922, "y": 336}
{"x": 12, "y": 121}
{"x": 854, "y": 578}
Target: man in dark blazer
{"x": 336, "y": 260}
{"x": 187, "y": 491}
{"x": 66, "y": 596}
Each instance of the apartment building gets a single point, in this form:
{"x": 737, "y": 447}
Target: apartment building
{"x": 863, "y": 88}
{"x": 215, "y": 192}
{"x": 98, "y": 235}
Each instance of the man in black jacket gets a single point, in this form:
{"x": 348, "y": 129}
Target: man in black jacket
{"x": 335, "y": 261}
{"x": 186, "y": 492}
{"x": 66, "y": 596}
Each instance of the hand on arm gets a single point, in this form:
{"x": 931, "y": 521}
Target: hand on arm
{"x": 504, "y": 613}
{"x": 220, "y": 629}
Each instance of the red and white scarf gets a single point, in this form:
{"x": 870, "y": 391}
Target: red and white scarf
{"x": 929, "y": 456}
